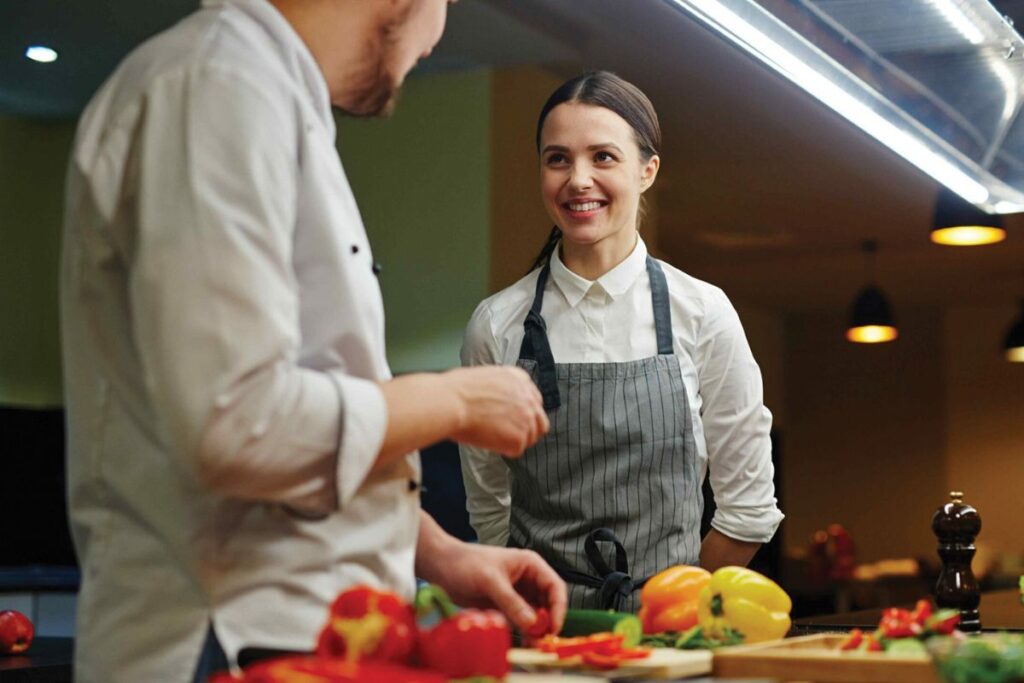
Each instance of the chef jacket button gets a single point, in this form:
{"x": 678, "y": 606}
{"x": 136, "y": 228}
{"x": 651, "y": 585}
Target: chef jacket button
{"x": 376, "y": 269}
{"x": 355, "y": 248}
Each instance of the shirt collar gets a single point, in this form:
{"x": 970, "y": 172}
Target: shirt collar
{"x": 294, "y": 53}
{"x": 615, "y": 282}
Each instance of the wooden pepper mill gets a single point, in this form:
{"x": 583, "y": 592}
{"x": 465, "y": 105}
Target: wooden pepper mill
{"x": 956, "y": 525}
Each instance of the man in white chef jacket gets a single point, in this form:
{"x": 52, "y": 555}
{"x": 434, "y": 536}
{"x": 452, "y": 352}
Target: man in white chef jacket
{"x": 238, "y": 451}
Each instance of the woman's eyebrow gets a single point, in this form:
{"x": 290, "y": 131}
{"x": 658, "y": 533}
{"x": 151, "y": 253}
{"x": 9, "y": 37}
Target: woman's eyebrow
{"x": 600, "y": 145}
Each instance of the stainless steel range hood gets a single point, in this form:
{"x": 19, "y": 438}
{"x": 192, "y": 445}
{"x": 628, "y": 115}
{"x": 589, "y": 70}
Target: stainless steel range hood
{"x": 937, "y": 81}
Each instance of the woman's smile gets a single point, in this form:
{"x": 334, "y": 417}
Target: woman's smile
{"x": 582, "y": 209}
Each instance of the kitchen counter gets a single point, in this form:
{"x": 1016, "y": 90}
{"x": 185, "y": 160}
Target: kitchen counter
{"x": 1000, "y": 611}
{"x": 47, "y": 661}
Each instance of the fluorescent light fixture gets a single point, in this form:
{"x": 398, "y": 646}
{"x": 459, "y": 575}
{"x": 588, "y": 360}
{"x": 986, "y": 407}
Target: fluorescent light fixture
{"x": 751, "y": 27}
{"x": 954, "y": 14}
{"x": 41, "y": 53}
{"x": 1008, "y": 207}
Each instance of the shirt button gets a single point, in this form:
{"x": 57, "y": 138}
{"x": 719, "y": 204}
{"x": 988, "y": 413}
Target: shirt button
{"x": 355, "y": 248}
{"x": 376, "y": 269}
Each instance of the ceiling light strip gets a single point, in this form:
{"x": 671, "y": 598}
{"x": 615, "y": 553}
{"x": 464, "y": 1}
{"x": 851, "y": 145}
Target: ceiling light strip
{"x": 727, "y": 22}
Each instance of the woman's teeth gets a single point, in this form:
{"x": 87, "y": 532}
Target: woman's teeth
{"x": 584, "y": 206}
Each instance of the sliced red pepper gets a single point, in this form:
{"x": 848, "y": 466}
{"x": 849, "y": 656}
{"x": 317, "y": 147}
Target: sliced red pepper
{"x": 601, "y": 643}
{"x": 541, "y": 625}
{"x": 943, "y": 622}
{"x": 871, "y": 644}
{"x": 322, "y": 669}
{"x": 922, "y": 611}
{"x": 634, "y": 653}
{"x": 600, "y": 661}
{"x": 899, "y": 623}
{"x": 853, "y": 640}
{"x": 613, "y": 660}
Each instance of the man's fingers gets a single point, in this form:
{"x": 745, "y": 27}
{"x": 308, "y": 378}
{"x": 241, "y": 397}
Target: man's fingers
{"x": 512, "y": 604}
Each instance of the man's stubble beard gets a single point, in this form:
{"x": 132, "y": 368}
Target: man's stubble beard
{"x": 378, "y": 91}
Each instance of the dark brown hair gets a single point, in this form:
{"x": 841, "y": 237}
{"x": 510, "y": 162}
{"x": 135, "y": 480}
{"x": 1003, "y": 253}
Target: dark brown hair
{"x": 604, "y": 89}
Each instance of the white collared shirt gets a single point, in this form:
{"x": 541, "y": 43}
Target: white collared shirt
{"x": 611, "y": 319}
{"x": 223, "y": 337}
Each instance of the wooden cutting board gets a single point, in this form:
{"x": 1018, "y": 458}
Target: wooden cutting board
{"x": 662, "y": 664}
{"x": 818, "y": 658}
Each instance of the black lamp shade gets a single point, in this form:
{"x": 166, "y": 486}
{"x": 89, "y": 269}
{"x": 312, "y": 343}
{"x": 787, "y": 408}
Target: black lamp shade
{"x": 1014, "y": 344}
{"x": 958, "y": 222}
{"x": 871, "y": 319}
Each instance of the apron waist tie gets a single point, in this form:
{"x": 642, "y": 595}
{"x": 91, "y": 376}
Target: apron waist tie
{"x": 616, "y": 585}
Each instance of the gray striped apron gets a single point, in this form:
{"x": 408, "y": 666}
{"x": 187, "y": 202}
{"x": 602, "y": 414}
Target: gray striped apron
{"x": 616, "y": 477}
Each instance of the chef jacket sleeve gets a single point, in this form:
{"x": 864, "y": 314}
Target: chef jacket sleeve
{"x": 485, "y": 474}
{"x": 214, "y": 301}
{"x": 736, "y": 427}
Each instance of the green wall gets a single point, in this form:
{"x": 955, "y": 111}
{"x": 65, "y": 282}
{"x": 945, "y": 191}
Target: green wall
{"x": 422, "y": 180}
{"x": 32, "y": 163}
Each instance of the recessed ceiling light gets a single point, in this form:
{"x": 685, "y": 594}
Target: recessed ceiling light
{"x": 41, "y": 53}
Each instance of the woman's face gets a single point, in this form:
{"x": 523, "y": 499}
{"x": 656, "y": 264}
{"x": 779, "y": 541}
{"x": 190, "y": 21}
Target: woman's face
{"x": 592, "y": 175}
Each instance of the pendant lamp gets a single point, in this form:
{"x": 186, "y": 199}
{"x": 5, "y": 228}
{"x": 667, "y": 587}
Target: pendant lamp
{"x": 871, "y": 320}
{"x": 1013, "y": 346}
{"x": 959, "y": 223}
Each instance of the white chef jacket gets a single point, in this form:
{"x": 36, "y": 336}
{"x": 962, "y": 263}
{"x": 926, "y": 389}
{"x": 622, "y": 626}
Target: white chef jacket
{"x": 611, "y": 320}
{"x": 223, "y": 336}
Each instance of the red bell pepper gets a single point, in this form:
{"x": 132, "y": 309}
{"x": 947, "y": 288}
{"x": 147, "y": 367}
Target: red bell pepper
{"x": 368, "y": 624}
{"x": 464, "y": 643}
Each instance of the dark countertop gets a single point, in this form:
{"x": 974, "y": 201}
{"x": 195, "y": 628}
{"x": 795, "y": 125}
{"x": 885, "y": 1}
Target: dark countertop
{"x": 1000, "y": 611}
{"x": 48, "y": 660}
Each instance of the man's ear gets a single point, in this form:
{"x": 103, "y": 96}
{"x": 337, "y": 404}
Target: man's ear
{"x": 650, "y": 172}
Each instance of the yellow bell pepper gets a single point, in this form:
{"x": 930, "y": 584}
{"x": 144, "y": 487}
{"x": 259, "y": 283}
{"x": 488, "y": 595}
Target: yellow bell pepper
{"x": 743, "y": 600}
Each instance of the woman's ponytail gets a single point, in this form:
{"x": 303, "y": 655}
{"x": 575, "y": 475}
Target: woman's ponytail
{"x": 549, "y": 248}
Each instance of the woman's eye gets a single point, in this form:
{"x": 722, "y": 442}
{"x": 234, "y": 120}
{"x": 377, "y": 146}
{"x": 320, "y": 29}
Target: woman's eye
{"x": 556, "y": 159}
{"x": 604, "y": 157}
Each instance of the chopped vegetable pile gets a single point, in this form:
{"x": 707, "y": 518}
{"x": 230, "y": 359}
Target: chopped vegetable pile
{"x": 902, "y": 631}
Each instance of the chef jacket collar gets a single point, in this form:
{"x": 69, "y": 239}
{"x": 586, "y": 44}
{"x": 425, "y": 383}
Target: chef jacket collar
{"x": 615, "y": 282}
{"x": 294, "y": 52}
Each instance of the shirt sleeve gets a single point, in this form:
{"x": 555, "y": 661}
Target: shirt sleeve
{"x": 736, "y": 427}
{"x": 214, "y": 300}
{"x": 486, "y": 476}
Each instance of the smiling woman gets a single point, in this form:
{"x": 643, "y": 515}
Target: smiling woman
{"x": 645, "y": 372}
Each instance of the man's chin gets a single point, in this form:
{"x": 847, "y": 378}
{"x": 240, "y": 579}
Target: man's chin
{"x": 379, "y": 105}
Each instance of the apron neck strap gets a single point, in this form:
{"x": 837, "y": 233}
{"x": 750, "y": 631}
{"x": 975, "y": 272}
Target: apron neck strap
{"x": 536, "y": 346}
{"x": 662, "y": 310}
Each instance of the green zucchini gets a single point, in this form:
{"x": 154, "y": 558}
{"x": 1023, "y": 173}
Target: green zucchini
{"x": 583, "y": 622}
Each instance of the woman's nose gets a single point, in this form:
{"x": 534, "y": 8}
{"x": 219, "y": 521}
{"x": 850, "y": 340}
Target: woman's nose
{"x": 581, "y": 178}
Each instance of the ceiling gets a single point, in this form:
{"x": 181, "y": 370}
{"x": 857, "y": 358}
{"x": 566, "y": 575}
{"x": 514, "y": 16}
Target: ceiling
{"x": 762, "y": 191}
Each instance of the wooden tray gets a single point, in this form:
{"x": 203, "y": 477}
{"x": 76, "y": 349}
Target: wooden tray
{"x": 664, "y": 663}
{"x": 817, "y": 658}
